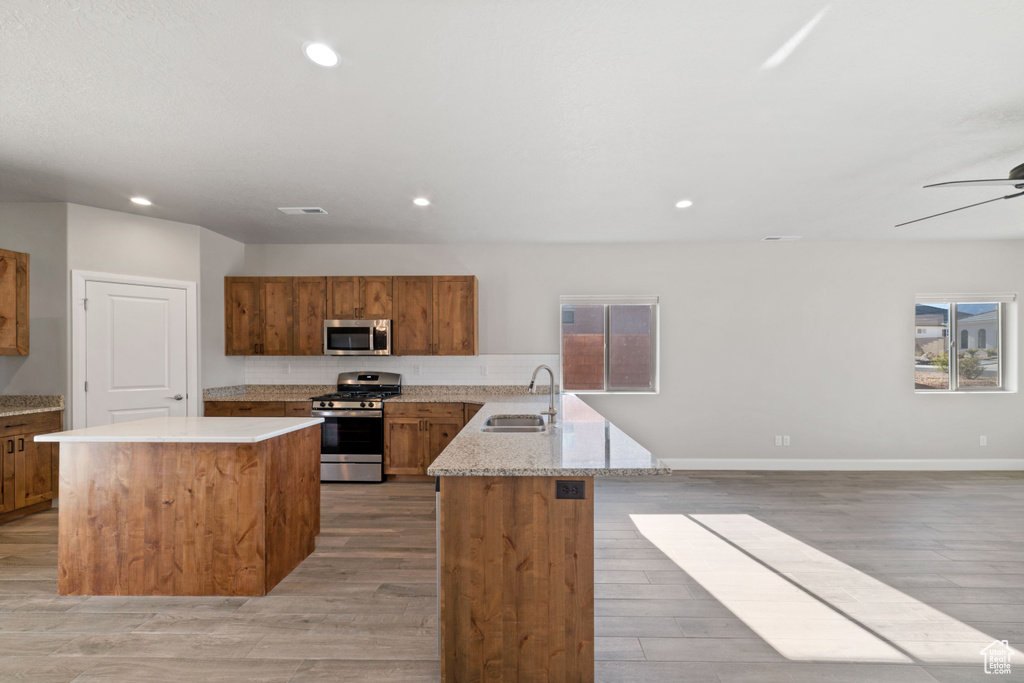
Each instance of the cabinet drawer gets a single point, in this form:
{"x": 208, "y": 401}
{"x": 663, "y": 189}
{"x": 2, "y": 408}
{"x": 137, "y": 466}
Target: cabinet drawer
{"x": 423, "y": 410}
{"x": 297, "y": 409}
{"x": 33, "y": 422}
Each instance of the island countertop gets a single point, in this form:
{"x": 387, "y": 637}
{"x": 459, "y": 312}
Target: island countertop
{"x": 187, "y": 430}
{"x": 581, "y": 443}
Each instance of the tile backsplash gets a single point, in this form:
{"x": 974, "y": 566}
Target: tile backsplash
{"x": 484, "y": 369}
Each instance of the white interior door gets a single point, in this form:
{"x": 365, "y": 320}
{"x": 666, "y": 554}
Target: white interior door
{"x": 136, "y": 352}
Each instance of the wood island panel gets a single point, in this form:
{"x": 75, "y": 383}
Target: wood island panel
{"x": 517, "y": 580}
{"x": 186, "y": 518}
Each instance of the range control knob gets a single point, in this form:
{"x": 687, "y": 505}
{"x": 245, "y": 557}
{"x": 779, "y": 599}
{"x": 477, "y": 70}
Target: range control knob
{"x": 322, "y": 404}
{"x": 331, "y": 404}
{"x": 362, "y": 404}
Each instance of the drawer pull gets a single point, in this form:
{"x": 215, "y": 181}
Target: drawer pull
{"x": 23, "y": 424}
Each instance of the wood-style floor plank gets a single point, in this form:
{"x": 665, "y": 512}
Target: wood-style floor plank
{"x": 363, "y": 606}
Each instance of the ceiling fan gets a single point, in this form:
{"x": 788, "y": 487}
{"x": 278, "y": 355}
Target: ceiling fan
{"x": 1016, "y": 180}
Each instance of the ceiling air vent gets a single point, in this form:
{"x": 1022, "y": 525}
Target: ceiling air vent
{"x": 302, "y": 210}
{"x": 781, "y": 238}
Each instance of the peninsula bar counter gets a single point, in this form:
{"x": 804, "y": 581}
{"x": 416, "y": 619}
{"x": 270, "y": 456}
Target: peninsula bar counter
{"x": 516, "y": 560}
{"x": 186, "y": 505}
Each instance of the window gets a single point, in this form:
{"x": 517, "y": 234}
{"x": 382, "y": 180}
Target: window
{"x": 609, "y": 343}
{"x": 961, "y": 348}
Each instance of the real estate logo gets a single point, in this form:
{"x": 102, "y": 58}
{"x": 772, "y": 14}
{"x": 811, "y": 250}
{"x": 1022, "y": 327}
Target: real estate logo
{"x": 997, "y": 657}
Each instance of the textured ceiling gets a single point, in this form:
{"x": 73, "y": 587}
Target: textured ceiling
{"x": 522, "y": 120}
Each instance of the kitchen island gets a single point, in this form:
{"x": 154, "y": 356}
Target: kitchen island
{"x": 515, "y": 556}
{"x": 186, "y": 505}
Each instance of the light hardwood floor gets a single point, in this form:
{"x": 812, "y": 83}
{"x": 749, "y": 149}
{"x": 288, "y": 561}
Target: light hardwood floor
{"x": 362, "y": 608}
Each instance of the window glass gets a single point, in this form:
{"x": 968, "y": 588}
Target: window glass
{"x": 583, "y": 332}
{"x": 931, "y": 352}
{"x": 978, "y": 356}
{"x": 629, "y": 347}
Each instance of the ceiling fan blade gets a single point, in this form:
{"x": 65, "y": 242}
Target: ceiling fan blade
{"x": 987, "y": 201}
{"x": 994, "y": 181}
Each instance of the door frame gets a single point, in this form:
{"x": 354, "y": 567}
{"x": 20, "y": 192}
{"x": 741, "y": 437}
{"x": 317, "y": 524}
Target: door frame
{"x": 79, "y": 278}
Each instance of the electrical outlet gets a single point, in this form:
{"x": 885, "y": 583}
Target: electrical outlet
{"x": 571, "y": 489}
{"x": 984, "y": 440}
{"x": 785, "y": 439}
{"x": 416, "y": 368}
{"x": 288, "y": 369}
{"x": 778, "y": 439}
{"x": 483, "y": 370}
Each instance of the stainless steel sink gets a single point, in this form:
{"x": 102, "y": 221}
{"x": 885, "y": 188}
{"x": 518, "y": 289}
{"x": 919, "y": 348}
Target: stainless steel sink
{"x": 513, "y": 424}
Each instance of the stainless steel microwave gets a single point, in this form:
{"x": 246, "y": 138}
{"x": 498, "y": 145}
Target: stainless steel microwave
{"x": 357, "y": 337}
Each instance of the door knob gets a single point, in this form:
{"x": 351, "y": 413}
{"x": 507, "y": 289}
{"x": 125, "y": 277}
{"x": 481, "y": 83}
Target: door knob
{"x": 176, "y": 397}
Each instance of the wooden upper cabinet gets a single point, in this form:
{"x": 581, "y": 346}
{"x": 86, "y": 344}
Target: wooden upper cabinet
{"x": 277, "y": 299}
{"x": 413, "y": 331}
{"x": 310, "y": 311}
{"x": 376, "y": 296}
{"x": 242, "y": 329}
{"x": 342, "y": 298}
{"x": 359, "y": 298}
{"x": 283, "y": 316}
{"x": 436, "y": 316}
{"x": 455, "y": 316}
{"x": 259, "y": 316}
{"x": 14, "y": 312}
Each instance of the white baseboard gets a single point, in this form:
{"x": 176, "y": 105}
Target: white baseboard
{"x": 783, "y": 464}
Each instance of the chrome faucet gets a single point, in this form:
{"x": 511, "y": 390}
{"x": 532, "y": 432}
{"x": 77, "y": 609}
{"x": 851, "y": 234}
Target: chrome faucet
{"x": 550, "y": 412}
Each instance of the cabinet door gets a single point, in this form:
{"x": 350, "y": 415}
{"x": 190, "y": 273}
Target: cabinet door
{"x": 342, "y": 298}
{"x": 440, "y": 432}
{"x": 276, "y": 299}
{"x": 33, "y": 471}
{"x": 310, "y": 307}
{"x": 241, "y": 316}
{"x": 403, "y": 446}
{"x": 14, "y": 314}
{"x": 471, "y": 410}
{"x": 375, "y": 297}
{"x": 455, "y": 316}
{"x": 414, "y": 313}
{"x": 8, "y": 445}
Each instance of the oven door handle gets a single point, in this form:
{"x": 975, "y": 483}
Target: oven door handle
{"x": 347, "y": 413}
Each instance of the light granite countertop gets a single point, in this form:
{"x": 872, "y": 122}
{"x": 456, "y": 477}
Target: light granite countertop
{"x": 11, "y": 405}
{"x": 581, "y": 443}
{"x": 186, "y": 430}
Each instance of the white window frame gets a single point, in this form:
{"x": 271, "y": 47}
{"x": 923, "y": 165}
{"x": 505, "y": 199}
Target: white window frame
{"x": 1006, "y": 361}
{"x": 607, "y": 301}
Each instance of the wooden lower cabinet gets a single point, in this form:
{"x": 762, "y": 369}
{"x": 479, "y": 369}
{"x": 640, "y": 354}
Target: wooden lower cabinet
{"x": 187, "y": 518}
{"x": 516, "y": 580}
{"x": 416, "y": 433}
{"x": 28, "y": 470}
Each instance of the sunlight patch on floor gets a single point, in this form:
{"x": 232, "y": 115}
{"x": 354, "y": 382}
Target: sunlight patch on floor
{"x": 798, "y": 626}
{"x": 920, "y": 630}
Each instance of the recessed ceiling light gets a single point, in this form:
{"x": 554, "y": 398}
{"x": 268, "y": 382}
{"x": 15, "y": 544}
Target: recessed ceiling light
{"x": 683, "y": 204}
{"x": 421, "y": 201}
{"x": 141, "y": 201}
{"x": 320, "y": 54}
{"x": 780, "y": 238}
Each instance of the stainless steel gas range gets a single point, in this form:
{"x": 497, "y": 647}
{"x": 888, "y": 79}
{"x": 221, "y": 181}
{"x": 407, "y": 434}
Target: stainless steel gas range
{"x": 352, "y": 435}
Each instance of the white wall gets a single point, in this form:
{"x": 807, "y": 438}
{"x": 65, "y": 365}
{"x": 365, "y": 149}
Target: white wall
{"x": 219, "y": 256}
{"x": 128, "y": 244}
{"x": 812, "y": 340}
{"x": 39, "y": 230}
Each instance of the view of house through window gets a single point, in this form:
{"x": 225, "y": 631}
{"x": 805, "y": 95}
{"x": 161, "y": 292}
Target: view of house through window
{"x": 609, "y": 344}
{"x": 957, "y": 346}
